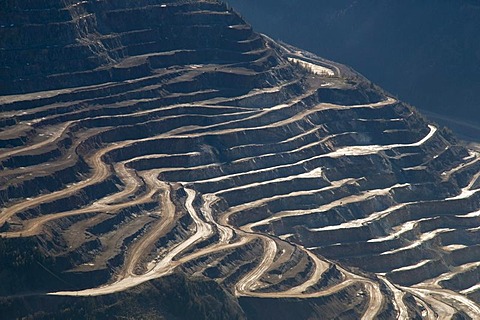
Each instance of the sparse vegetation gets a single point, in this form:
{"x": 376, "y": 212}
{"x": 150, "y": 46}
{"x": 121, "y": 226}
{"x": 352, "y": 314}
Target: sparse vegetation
{"x": 172, "y": 297}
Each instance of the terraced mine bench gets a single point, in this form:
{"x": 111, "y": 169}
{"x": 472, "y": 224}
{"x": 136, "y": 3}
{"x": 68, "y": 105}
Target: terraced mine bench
{"x": 157, "y": 137}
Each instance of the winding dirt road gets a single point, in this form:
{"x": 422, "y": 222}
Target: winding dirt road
{"x": 206, "y": 222}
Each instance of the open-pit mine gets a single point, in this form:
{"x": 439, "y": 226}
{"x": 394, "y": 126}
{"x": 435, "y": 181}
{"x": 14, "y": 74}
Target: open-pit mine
{"x": 145, "y": 139}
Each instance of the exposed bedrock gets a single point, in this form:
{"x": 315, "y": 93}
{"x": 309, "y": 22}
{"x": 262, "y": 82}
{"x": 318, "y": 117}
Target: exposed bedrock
{"x": 144, "y": 138}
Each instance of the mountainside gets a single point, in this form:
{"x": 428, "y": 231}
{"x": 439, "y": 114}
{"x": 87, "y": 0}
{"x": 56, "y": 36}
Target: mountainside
{"x": 141, "y": 139}
{"x": 426, "y": 52}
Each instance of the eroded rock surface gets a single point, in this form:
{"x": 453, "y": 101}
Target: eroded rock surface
{"x": 144, "y": 138}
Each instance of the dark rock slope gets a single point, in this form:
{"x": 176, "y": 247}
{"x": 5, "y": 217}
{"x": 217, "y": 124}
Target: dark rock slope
{"x": 140, "y": 139}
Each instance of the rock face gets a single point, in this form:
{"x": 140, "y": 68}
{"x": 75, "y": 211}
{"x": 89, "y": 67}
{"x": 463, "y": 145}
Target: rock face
{"x": 140, "y": 139}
